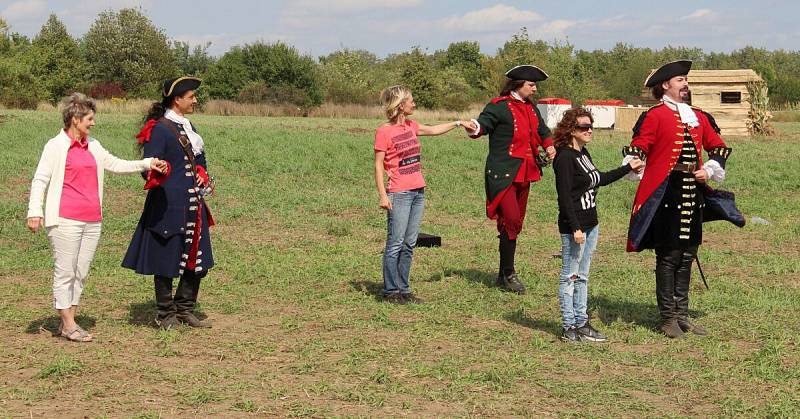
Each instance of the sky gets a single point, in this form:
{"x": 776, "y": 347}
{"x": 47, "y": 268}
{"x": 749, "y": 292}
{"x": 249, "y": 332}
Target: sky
{"x": 319, "y": 27}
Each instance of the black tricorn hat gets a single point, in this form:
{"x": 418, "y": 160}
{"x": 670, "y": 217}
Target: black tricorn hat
{"x": 668, "y": 71}
{"x": 179, "y": 86}
{"x": 526, "y": 72}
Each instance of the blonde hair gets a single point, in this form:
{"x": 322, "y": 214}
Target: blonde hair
{"x": 391, "y": 99}
{"x": 76, "y": 105}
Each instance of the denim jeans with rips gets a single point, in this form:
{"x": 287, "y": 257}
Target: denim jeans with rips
{"x": 573, "y": 289}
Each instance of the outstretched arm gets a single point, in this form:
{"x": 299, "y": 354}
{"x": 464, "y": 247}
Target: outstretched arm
{"x": 443, "y": 128}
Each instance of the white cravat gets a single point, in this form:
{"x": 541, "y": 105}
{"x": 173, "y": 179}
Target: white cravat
{"x": 687, "y": 114}
{"x": 194, "y": 138}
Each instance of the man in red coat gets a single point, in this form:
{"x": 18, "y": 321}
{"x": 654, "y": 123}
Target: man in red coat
{"x": 668, "y": 209}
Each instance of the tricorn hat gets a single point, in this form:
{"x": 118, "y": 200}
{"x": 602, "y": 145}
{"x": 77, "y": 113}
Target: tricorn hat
{"x": 179, "y": 86}
{"x": 668, "y": 71}
{"x": 526, "y": 72}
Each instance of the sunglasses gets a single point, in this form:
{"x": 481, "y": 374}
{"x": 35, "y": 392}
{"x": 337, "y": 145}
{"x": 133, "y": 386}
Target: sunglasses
{"x": 583, "y": 127}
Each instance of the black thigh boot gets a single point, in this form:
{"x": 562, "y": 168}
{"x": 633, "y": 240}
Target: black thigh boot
{"x": 667, "y": 263}
{"x": 165, "y": 306}
{"x": 683, "y": 277}
{"x": 186, "y": 299}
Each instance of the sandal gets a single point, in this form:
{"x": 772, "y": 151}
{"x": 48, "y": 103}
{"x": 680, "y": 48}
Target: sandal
{"x": 82, "y": 335}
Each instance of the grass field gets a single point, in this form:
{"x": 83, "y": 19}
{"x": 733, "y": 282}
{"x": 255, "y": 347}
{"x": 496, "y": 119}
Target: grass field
{"x": 299, "y": 329}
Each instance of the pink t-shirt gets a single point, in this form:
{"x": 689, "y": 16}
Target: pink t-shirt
{"x": 402, "y": 159}
{"x": 80, "y": 195}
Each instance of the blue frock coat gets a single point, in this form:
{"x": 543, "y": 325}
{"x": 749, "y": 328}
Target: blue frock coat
{"x": 163, "y": 238}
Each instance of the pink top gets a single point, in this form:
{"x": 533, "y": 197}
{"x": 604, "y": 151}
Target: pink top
{"x": 402, "y": 159}
{"x": 80, "y": 196}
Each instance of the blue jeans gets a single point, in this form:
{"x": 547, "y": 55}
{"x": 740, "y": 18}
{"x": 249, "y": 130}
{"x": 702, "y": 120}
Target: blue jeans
{"x": 573, "y": 287}
{"x": 403, "y": 222}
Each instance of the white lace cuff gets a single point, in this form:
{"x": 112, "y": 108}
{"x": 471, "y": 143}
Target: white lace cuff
{"x": 632, "y": 176}
{"x": 714, "y": 170}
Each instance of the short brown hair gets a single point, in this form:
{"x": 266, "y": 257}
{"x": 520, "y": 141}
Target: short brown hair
{"x": 76, "y": 105}
{"x": 568, "y": 123}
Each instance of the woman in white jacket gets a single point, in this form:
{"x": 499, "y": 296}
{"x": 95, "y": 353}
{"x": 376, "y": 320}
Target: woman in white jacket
{"x": 71, "y": 171}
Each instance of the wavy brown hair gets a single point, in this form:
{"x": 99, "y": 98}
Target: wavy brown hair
{"x": 568, "y": 123}
{"x": 511, "y": 85}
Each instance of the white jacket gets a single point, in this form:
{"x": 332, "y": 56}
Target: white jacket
{"x": 50, "y": 174}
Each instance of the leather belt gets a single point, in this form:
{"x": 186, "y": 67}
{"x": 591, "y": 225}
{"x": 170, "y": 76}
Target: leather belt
{"x": 685, "y": 167}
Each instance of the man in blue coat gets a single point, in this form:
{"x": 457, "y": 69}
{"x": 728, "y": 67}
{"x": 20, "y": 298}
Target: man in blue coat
{"x": 172, "y": 237}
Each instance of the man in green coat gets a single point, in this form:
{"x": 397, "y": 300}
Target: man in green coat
{"x": 516, "y": 132}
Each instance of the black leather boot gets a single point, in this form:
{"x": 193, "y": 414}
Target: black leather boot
{"x": 682, "y": 279}
{"x": 165, "y": 306}
{"x": 507, "y": 277}
{"x": 667, "y": 262}
{"x": 186, "y": 299}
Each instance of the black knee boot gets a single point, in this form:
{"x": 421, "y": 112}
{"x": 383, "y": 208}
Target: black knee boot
{"x": 186, "y": 299}
{"x": 507, "y": 277}
{"x": 165, "y": 306}
{"x": 682, "y": 279}
{"x": 667, "y": 263}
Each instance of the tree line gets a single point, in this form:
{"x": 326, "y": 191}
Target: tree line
{"x": 125, "y": 55}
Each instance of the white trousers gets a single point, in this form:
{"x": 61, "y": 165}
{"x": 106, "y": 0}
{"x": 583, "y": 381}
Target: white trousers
{"x": 74, "y": 243}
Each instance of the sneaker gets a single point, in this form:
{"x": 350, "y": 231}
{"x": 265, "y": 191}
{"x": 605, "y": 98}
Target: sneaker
{"x": 587, "y": 332}
{"x": 394, "y": 298}
{"x": 410, "y": 298}
{"x": 570, "y": 335}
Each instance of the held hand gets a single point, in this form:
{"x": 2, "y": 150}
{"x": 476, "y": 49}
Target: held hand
{"x": 385, "y": 203}
{"x": 551, "y": 152}
{"x": 637, "y": 165}
{"x": 469, "y": 126}
{"x": 34, "y": 224}
{"x": 158, "y": 165}
{"x": 579, "y": 237}
{"x": 701, "y": 176}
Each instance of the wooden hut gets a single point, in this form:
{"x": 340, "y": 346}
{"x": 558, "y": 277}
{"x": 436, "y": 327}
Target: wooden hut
{"x": 723, "y": 94}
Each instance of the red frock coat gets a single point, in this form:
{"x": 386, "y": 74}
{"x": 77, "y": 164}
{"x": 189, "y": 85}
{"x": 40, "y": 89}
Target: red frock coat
{"x": 658, "y": 135}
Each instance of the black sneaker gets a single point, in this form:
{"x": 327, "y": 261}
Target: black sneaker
{"x": 410, "y": 298}
{"x": 587, "y": 332}
{"x": 394, "y": 298}
{"x": 570, "y": 335}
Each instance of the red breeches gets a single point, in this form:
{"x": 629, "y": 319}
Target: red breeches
{"x": 511, "y": 210}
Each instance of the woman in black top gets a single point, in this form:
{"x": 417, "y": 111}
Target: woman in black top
{"x": 577, "y": 180}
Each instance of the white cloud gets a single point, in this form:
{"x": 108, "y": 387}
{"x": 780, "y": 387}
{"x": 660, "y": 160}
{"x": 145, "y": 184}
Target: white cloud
{"x": 313, "y": 13}
{"x": 495, "y": 18}
{"x": 325, "y": 7}
{"x": 555, "y": 27}
{"x": 24, "y": 10}
{"x": 699, "y": 14}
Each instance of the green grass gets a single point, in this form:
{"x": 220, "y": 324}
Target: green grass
{"x": 299, "y": 329}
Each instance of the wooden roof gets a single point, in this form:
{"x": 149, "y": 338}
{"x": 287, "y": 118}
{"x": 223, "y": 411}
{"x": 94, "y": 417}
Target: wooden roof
{"x": 723, "y": 76}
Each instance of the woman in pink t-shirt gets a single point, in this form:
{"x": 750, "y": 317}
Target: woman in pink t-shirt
{"x": 397, "y": 152}
{"x": 71, "y": 172}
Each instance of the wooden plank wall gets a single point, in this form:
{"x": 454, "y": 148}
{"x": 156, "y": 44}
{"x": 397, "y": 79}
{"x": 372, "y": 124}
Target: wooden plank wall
{"x": 627, "y": 117}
